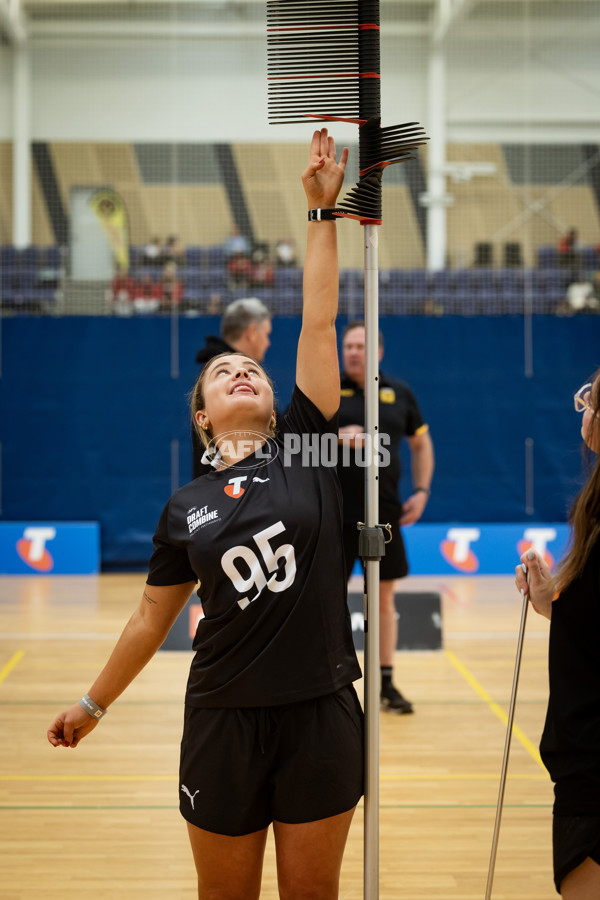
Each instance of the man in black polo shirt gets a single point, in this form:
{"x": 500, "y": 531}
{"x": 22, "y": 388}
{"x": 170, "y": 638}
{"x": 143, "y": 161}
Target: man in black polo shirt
{"x": 399, "y": 417}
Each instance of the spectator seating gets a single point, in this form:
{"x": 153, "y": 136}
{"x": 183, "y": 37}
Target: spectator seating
{"x": 549, "y": 258}
{"x": 30, "y": 277}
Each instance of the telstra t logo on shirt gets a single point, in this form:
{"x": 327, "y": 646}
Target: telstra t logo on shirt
{"x": 234, "y": 488}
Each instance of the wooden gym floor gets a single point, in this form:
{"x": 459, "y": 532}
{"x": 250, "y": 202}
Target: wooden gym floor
{"x": 102, "y": 821}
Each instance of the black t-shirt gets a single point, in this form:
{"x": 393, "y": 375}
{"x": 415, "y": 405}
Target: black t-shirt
{"x": 263, "y": 537}
{"x": 399, "y": 416}
{"x": 570, "y": 744}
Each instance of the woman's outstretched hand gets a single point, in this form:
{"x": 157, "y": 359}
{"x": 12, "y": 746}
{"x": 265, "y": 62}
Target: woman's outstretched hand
{"x": 323, "y": 177}
{"x": 70, "y": 727}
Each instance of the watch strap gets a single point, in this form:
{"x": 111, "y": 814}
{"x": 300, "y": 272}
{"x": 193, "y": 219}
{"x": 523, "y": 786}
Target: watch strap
{"x": 323, "y": 215}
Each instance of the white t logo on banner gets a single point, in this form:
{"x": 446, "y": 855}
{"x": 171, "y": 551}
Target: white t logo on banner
{"x": 462, "y": 538}
{"x": 540, "y": 538}
{"x": 38, "y": 537}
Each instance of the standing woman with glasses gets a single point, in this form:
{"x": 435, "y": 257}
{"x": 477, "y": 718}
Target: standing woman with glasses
{"x": 570, "y": 744}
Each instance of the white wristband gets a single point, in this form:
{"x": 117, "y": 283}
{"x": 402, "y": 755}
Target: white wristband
{"x": 92, "y": 708}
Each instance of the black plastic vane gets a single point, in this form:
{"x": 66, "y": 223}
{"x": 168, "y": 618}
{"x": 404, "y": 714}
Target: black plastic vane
{"x": 324, "y": 63}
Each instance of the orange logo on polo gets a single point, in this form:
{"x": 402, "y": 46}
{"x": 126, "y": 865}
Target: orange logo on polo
{"x": 456, "y": 549}
{"x": 234, "y": 488}
{"x": 32, "y": 548}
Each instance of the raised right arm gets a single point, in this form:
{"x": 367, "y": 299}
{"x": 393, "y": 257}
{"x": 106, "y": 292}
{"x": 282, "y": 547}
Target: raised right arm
{"x": 317, "y": 368}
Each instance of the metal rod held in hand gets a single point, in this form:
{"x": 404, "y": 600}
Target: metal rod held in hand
{"x": 509, "y": 728}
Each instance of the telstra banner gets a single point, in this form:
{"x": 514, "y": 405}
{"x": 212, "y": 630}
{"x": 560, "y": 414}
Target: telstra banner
{"x": 49, "y": 548}
{"x": 481, "y": 549}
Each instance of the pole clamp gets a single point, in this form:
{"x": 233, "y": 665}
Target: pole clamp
{"x": 371, "y": 542}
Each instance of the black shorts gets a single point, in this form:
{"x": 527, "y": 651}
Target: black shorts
{"x": 574, "y": 838}
{"x": 393, "y": 565}
{"x": 241, "y": 769}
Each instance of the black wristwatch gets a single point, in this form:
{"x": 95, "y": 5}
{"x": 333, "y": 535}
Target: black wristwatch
{"x": 323, "y": 215}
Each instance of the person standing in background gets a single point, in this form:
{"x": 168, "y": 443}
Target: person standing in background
{"x": 399, "y": 417}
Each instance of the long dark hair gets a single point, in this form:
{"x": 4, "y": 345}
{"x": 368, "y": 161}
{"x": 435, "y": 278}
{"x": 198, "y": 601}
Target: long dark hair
{"x": 584, "y": 517}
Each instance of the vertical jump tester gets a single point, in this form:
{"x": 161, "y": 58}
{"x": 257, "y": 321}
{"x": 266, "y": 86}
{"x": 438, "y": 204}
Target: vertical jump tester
{"x": 324, "y": 63}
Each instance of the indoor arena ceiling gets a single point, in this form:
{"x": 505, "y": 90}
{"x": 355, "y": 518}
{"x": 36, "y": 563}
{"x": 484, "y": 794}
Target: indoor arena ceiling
{"x": 188, "y": 19}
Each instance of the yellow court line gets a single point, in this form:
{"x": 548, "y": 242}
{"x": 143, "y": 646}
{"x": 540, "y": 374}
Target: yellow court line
{"x": 7, "y": 669}
{"x": 497, "y": 710}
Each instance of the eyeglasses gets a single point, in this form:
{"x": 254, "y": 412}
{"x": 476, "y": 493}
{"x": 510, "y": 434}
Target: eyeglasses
{"x": 582, "y": 399}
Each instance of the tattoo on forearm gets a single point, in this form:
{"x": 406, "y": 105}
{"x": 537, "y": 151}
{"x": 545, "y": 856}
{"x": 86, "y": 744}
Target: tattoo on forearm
{"x": 148, "y": 598}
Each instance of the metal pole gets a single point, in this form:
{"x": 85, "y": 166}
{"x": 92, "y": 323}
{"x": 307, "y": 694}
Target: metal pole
{"x": 509, "y": 728}
{"x": 436, "y": 182}
{"x": 21, "y": 146}
{"x": 371, "y": 667}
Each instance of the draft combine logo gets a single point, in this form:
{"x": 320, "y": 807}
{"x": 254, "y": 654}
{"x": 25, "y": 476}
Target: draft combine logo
{"x": 197, "y": 517}
{"x": 32, "y": 548}
{"x": 456, "y": 549}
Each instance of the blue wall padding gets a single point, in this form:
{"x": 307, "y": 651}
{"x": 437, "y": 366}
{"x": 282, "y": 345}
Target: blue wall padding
{"x": 89, "y": 409}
